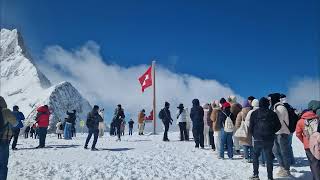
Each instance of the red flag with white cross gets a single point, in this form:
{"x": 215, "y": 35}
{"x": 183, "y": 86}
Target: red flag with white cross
{"x": 146, "y": 79}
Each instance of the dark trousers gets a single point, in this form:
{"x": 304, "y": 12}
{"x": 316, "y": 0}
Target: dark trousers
{"x": 4, "y": 157}
{"x": 211, "y": 139}
{"x": 166, "y": 129}
{"x": 16, "y": 132}
{"x": 95, "y": 133}
{"x": 281, "y": 151}
{"x": 118, "y": 130}
{"x": 26, "y": 135}
{"x": 258, "y": 147}
{"x": 130, "y": 131}
{"x": 198, "y": 135}
{"x": 59, "y": 136}
{"x": 183, "y": 131}
{"x": 42, "y": 136}
{"x": 314, "y": 165}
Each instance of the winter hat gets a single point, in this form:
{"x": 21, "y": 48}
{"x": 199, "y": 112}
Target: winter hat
{"x": 251, "y": 98}
{"x": 196, "y": 102}
{"x": 275, "y": 98}
{"x": 232, "y": 99}
{"x": 143, "y": 110}
{"x": 180, "y": 106}
{"x": 166, "y": 104}
{"x": 245, "y": 104}
{"x": 15, "y": 108}
{"x": 264, "y": 103}
{"x": 226, "y": 105}
{"x": 206, "y": 106}
{"x": 222, "y": 100}
{"x": 95, "y": 107}
{"x": 119, "y": 105}
{"x": 255, "y": 103}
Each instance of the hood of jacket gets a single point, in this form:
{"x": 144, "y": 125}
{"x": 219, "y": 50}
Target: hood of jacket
{"x": 3, "y": 103}
{"x": 309, "y": 115}
{"x": 43, "y": 109}
{"x": 314, "y": 105}
{"x": 195, "y": 102}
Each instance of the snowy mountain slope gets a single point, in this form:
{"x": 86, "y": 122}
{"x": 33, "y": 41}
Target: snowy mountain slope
{"x": 23, "y": 84}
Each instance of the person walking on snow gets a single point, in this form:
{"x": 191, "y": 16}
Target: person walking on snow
{"x": 166, "y": 118}
{"x": 59, "y": 129}
{"x": 16, "y": 130}
{"x": 307, "y": 125}
{"x": 226, "y": 122}
{"x": 264, "y": 123}
{"x": 117, "y": 120}
{"x": 196, "y": 116}
{"x": 42, "y": 119}
{"x": 7, "y": 119}
{"x": 281, "y": 143}
{"x": 92, "y": 123}
{"x": 141, "y": 119}
{"x": 131, "y": 122}
{"x": 182, "y": 122}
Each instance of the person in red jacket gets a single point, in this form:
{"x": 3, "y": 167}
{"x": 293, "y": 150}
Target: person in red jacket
{"x": 309, "y": 117}
{"x": 43, "y": 123}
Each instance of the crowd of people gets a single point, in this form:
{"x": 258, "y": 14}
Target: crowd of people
{"x": 259, "y": 131}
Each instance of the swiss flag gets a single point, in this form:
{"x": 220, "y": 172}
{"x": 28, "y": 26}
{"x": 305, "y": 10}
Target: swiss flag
{"x": 150, "y": 117}
{"x": 146, "y": 79}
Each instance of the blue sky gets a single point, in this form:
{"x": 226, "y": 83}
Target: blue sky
{"x": 253, "y": 46}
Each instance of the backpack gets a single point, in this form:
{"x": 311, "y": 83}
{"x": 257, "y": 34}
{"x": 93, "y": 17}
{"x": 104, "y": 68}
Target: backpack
{"x": 293, "y": 117}
{"x": 61, "y": 127}
{"x": 161, "y": 114}
{"x": 263, "y": 126}
{"x": 314, "y": 145}
{"x": 228, "y": 124}
{"x": 310, "y": 127}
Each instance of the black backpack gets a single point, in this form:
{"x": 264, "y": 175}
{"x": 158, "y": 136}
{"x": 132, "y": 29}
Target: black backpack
{"x": 263, "y": 126}
{"x": 161, "y": 114}
{"x": 293, "y": 117}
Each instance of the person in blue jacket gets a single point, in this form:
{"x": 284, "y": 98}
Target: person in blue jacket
{"x": 16, "y": 130}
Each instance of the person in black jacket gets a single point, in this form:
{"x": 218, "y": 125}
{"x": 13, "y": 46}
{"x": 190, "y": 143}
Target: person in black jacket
{"x": 166, "y": 118}
{"x": 131, "y": 122}
{"x": 118, "y": 119}
{"x": 225, "y": 137}
{"x": 196, "y": 116}
{"x": 93, "y": 120}
{"x": 264, "y": 123}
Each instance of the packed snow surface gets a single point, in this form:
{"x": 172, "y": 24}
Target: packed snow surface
{"x": 136, "y": 157}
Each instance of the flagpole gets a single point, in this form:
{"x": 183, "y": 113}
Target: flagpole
{"x": 154, "y": 95}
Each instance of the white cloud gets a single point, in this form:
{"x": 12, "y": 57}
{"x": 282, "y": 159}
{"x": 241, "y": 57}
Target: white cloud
{"x": 109, "y": 85}
{"x": 303, "y": 90}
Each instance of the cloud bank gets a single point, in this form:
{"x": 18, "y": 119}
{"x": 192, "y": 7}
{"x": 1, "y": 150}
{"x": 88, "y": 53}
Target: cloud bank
{"x": 110, "y": 84}
{"x": 304, "y": 90}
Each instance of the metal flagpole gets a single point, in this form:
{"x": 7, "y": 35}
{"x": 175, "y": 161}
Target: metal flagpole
{"x": 154, "y": 95}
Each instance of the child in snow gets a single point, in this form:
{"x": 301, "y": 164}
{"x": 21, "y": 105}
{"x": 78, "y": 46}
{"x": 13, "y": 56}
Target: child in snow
{"x": 59, "y": 130}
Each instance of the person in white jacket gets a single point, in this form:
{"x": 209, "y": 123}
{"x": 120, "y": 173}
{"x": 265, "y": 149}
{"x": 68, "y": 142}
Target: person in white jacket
{"x": 206, "y": 127}
{"x": 182, "y": 122}
{"x": 281, "y": 144}
{"x": 101, "y": 124}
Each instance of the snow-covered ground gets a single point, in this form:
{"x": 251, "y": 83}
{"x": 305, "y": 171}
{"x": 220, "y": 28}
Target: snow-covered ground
{"x": 136, "y": 157}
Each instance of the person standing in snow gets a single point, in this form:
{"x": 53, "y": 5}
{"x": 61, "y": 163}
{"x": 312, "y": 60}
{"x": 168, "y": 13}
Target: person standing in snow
{"x": 245, "y": 142}
{"x": 92, "y": 123}
{"x": 101, "y": 124}
{"x": 215, "y": 126}
{"x": 72, "y": 117}
{"x": 281, "y": 143}
{"x": 42, "y": 119}
{"x": 182, "y": 122}
{"x": 226, "y": 121}
{"x": 26, "y": 132}
{"x": 67, "y": 128}
{"x": 7, "y": 119}
{"x": 235, "y": 110}
{"x": 131, "y": 122}
{"x": 123, "y": 127}
{"x": 264, "y": 123}
{"x": 307, "y": 125}
{"x": 117, "y": 120}
{"x": 141, "y": 119}
{"x": 59, "y": 129}
{"x": 166, "y": 118}
{"x": 82, "y": 123}
{"x": 196, "y": 116}
{"x": 16, "y": 130}
{"x": 33, "y": 131}
{"x": 205, "y": 125}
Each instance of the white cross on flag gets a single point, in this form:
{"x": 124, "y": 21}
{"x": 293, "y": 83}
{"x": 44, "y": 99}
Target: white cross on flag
{"x": 146, "y": 79}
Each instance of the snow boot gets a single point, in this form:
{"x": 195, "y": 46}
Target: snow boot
{"x": 94, "y": 149}
{"x": 254, "y": 177}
